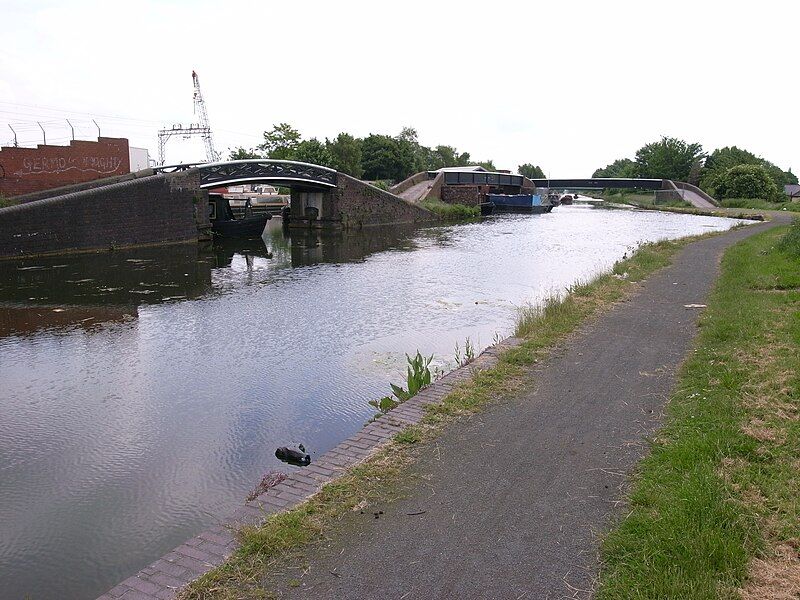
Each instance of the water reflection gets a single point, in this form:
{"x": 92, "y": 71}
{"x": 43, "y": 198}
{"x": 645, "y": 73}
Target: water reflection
{"x": 87, "y": 290}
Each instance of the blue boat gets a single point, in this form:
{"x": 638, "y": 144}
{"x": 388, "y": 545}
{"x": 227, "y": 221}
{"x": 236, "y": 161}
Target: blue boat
{"x": 522, "y": 203}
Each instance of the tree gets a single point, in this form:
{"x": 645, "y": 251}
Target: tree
{"x": 669, "y": 158}
{"x": 445, "y": 156}
{"x": 345, "y": 152}
{"x": 312, "y": 151}
{"x": 281, "y": 142}
{"x": 384, "y": 157}
{"x": 241, "y": 153}
{"x": 408, "y": 141}
{"x": 488, "y": 165}
{"x": 728, "y": 157}
{"x": 531, "y": 171}
{"x": 622, "y": 168}
{"x": 746, "y": 181}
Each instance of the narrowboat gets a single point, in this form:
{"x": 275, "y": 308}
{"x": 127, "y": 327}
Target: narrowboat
{"x": 225, "y": 224}
{"x": 522, "y": 203}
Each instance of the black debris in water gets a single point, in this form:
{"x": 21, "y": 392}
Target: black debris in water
{"x": 293, "y": 457}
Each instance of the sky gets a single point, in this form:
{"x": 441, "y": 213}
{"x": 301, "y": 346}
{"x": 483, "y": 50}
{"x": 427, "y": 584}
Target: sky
{"x": 568, "y": 85}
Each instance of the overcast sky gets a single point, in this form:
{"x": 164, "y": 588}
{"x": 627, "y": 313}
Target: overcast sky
{"x": 568, "y": 85}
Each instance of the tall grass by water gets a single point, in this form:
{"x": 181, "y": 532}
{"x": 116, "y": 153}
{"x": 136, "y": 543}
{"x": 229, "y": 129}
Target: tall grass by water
{"x": 451, "y": 211}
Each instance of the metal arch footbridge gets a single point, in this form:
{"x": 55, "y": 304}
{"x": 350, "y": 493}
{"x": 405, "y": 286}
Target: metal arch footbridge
{"x": 286, "y": 173}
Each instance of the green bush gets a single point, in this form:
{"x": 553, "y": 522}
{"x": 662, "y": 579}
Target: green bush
{"x": 745, "y": 181}
{"x": 381, "y": 184}
{"x": 451, "y": 211}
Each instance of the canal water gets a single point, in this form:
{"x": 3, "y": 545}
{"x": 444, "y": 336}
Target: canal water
{"x": 143, "y": 393}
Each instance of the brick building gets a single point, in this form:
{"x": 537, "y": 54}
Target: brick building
{"x": 25, "y": 170}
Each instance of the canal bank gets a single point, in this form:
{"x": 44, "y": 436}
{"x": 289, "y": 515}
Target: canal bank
{"x": 515, "y": 495}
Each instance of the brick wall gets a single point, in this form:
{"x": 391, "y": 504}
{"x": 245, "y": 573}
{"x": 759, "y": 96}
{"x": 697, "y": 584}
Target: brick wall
{"x": 79, "y": 187}
{"x": 151, "y": 210}
{"x": 356, "y": 204}
{"x": 469, "y": 195}
{"x": 435, "y": 192}
{"x": 26, "y": 170}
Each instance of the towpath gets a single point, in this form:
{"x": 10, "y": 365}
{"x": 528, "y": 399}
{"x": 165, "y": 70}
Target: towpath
{"x": 514, "y": 498}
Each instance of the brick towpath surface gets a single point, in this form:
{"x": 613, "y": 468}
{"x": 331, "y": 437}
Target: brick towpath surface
{"x": 514, "y": 498}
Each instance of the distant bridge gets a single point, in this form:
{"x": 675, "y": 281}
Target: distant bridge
{"x": 287, "y": 173}
{"x": 601, "y": 183}
{"x": 676, "y": 190}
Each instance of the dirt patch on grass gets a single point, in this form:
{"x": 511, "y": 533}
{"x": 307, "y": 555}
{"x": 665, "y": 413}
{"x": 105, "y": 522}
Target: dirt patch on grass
{"x": 759, "y": 430}
{"x": 775, "y": 577}
{"x": 769, "y": 399}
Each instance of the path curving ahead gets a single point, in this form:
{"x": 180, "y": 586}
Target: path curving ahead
{"x": 514, "y": 498}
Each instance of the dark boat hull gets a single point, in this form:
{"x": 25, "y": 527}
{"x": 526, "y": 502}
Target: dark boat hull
{"x": 531, "y": 210}
{"x": 518, "y": 203}
{"x": 247, "y": 227}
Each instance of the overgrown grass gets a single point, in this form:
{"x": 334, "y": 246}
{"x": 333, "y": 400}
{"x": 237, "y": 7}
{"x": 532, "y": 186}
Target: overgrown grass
{"x": 451, "y": 211}
{"x": 641, "y": 199}
{"x": 707, "y": 212}
{"x": 6, "y": 202}
{"x": 722, "y": 483}
{"x": 382, "y": 477}
{"x": 759, "y": 204}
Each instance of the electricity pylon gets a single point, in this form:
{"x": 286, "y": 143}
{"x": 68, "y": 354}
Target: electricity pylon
{"x": 203, "y": 128}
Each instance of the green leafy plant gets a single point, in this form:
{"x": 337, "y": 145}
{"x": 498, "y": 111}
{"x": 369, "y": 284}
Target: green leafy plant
{"x": 385, "y": 404}
{"x": 419, "y": 376}
{"x": 469, "y": 353}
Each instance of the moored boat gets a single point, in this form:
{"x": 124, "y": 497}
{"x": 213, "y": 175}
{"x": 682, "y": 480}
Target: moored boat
{"x": 523, "y": 203}
{"x": 225, "y": 224}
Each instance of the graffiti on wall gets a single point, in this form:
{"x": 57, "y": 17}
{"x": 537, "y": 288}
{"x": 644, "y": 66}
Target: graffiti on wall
{"x": 103, "y": 165}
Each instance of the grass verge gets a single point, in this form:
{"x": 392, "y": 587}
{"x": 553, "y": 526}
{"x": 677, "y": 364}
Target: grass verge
{"x": 451, "y": 211}
{"x": 758, "y": 204}
{"x": 707, "y": 212}
{"x": 283, "y": 536}
{"x": 715, "y": 507}
{"x": 642, "y": 199}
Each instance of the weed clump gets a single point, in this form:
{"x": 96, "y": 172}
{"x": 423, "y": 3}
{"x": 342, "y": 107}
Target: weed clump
{"x": 790, "y": 242}
{"x": 451, "y": 211}
{"x": 419, "y": 376}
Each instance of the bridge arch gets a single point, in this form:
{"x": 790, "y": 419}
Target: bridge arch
{"x": 287, "y": 173}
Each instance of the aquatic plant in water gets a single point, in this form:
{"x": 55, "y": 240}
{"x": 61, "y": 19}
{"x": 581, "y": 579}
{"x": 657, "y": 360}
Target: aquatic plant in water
{"x": 469, "y": 353}
{"x": 419, "y": 376}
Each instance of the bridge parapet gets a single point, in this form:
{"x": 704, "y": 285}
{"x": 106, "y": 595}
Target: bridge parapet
{"x": 353, "y": 204}
{"x": 150, "y": 210}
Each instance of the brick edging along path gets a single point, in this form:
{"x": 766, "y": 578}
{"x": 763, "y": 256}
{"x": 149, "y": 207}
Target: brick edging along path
{"x": 163, "y": 579}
